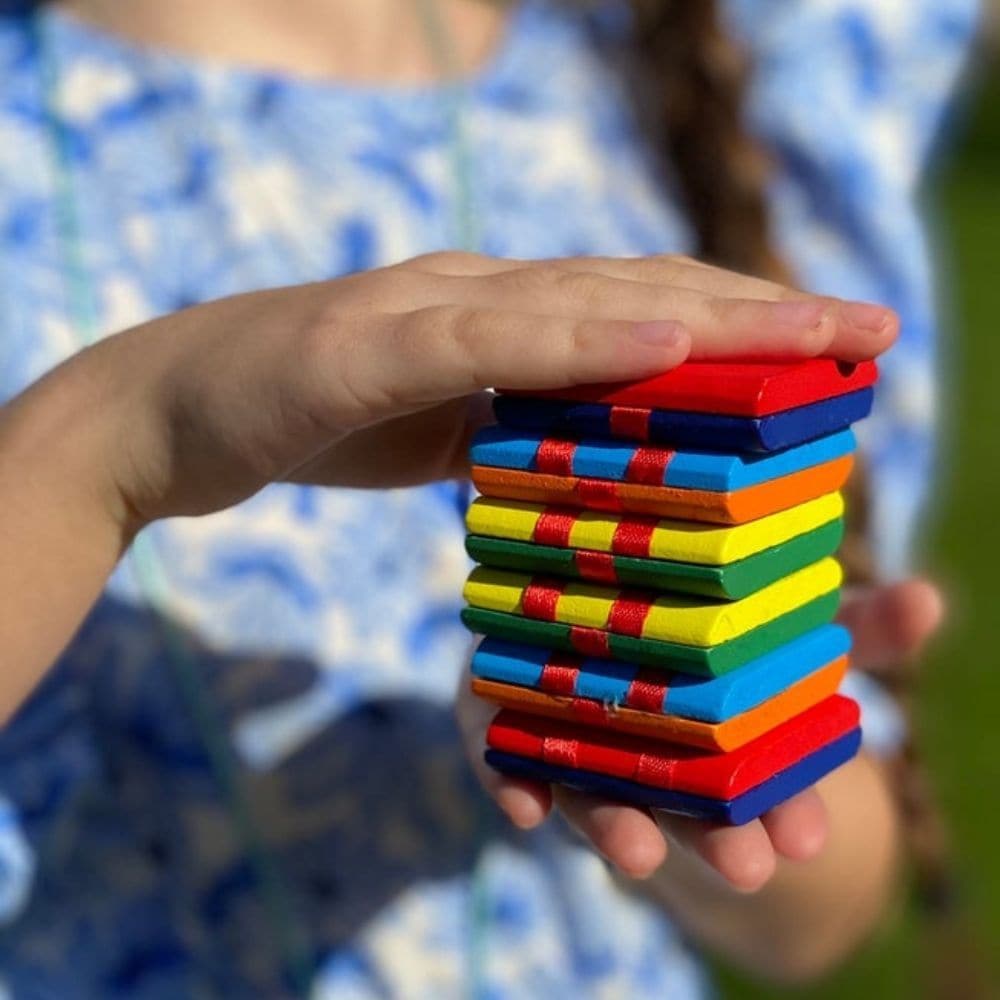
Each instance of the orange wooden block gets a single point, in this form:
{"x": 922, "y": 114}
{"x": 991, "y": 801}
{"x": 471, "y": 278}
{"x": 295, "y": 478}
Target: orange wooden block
{"x": 736, "y": 507}
{"x": 722, "y": 736}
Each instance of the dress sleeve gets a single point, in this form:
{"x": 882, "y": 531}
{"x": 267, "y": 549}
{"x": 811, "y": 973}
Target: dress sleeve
{"x": 850, "y": 97}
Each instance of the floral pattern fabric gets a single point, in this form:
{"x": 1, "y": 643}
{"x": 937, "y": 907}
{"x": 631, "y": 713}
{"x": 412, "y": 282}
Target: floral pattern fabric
{"x": 316, "y": 632}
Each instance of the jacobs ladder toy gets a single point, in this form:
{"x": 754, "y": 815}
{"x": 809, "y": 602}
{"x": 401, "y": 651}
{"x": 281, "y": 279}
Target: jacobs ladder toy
{"x": 657, "y": 584}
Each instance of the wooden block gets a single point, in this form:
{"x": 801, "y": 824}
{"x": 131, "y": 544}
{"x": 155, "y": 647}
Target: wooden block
{"x": 643, "y": 614}
{"x": 684, "y": 429}
{"x": 729, "y": 582}
{"x": 699, "y": 661}
{"x": 646, "y": 537}
{"x": 736, "y": 507}
{"x": 718, "y": 736}
{"x": 618, "y": 684}
{"x": 735, "y": 812}
{"x": 678, "y": 768}
{"x": 625, "y": 462}
{"x": 748, "y": 389}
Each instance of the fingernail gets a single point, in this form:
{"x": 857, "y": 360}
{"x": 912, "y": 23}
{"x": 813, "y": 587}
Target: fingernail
{"x": 660, "y": 333}
{"x": 802, "y": 315}
{"x": 866, "y": 316}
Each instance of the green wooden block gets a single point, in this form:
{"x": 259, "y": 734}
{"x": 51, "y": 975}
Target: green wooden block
{"x": 709, "y": 661}
{"x": 729, "y": 582}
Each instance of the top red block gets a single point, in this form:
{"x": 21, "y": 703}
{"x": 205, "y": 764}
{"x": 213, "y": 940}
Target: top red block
{"x": 739, "y": 389}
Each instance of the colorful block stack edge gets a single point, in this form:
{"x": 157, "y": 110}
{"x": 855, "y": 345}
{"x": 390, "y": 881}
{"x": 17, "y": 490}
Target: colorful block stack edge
{"x": 657, "y": 584}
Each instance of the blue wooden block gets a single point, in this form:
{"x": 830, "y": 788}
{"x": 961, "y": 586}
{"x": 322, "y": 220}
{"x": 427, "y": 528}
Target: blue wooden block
{"x": 509, "y": 448}
{"x": 734, "y": 812}
{"x": 681, "y": 429}
{"x": 708, "y": 699}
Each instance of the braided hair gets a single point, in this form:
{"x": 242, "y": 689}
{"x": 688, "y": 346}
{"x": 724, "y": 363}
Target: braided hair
{"x": 695, "y": 79}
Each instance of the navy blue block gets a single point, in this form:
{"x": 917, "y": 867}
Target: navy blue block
{"x": 734, "y": 812}
{"x": 677, "y": 428}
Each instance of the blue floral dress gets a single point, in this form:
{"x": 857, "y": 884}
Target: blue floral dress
{"x": 243, "y": 775}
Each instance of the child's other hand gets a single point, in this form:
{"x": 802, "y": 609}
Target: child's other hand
{"x": 376, "y": 379}
{"x": 888, "y": 623}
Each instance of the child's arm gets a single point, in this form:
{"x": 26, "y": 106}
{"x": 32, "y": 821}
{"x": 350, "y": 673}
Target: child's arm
{"x": 333, "y": 383}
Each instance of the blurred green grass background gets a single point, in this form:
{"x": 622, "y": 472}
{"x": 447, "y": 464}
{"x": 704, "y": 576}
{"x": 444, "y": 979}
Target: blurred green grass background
{"x": 959, "y": 711}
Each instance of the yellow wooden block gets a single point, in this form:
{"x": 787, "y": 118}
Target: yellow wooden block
{"x": 678, "y": 619}
{"x": 682, "y": 541}
{"x": 594, "y": 530}
{"x": 718, "y": 546}
{"x": 496, "y": 589}
{"x": 503, "y": 518}
{"x": 586, "y": 604}
{"x": 692, "y": 621}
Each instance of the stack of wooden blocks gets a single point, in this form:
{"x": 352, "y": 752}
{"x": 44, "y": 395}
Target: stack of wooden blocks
{"x": 657, "y": 584}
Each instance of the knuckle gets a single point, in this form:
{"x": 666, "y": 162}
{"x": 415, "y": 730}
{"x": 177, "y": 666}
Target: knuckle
{"x": 319, "y": 333}
{"x": 581, "y": 339}
{"x": 583, "y": 286}
{"x": 438, "y": 327}
{"x": 468, "y": 328}
{"x": 533, "y": 280}
{"x": 718, "y": 310}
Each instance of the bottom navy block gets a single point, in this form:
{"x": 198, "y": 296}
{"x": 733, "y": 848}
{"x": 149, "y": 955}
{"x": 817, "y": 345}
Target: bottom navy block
{"x": 735, "y": 812}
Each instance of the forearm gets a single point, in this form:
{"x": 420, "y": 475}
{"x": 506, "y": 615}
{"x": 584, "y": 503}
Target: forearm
{"x": 62, "y": 528}
{"x": 810, "y": 914}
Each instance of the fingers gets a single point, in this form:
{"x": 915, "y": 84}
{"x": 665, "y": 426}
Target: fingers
{"x": 658, "y": 269}
{"x": 741, "y": 855}
{"x": 635, "y": 840}
{"x": 746, "y": 856}
{"x": 526, "y": 803}
{"x": 712, "y": 302}
{"x": 891, "y": 623}
{"x": 402, "y": 363}
{"x": 798, "y": 828}
{"x": 625, "y": 835}
{"x": 409, "y": 338}
{"x": 719, "y": 326}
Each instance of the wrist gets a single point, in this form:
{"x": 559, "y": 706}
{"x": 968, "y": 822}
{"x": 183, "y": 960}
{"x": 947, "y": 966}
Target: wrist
{"x": 59, "y": 444}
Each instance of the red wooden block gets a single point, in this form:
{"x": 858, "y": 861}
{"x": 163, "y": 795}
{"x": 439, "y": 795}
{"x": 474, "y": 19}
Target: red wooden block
{"x": 678, "y": 768}
{"x": 740, "y": 389}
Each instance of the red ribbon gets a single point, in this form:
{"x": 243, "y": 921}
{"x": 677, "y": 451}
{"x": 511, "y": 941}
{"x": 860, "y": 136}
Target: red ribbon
{"x": 648, "y": 466}
{"x": 540, "y": 598}
{"x": 646, "y": 693}
{"x": 634, "y": 536}
{"x": 560, "y": 751}
{"x": 599, "y": 494}
{"x": 629, "y": 422}
{"x": 553, "y": 527}
{"x": 590, "y": 712}
{"x": 628, "y": 613}
{"x": 590, "y": 641}
{"x": 555, "y": 458}
{"x": 559, "y": 675}
{"x": 598, "y": 567}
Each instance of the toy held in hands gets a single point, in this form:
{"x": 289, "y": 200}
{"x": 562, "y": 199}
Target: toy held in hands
{"x": 656, "y": 584}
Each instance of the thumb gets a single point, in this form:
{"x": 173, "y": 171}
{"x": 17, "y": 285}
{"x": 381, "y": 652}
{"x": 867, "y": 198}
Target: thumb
{"x": 891, "y": 622}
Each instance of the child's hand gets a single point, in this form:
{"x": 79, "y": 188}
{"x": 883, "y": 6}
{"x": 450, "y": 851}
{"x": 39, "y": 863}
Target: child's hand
{"x": 888, "y": 624}
{"x": 375, "y": 379}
